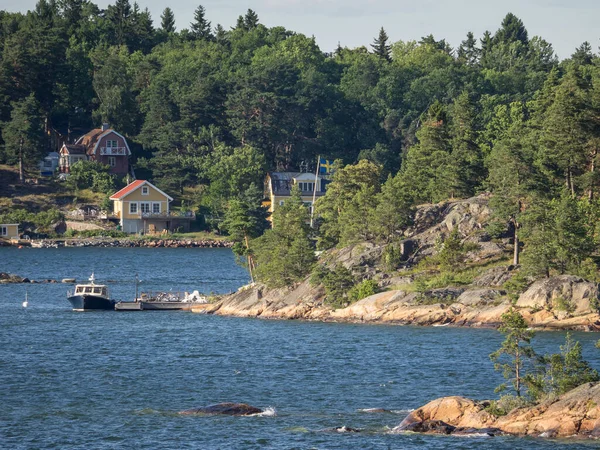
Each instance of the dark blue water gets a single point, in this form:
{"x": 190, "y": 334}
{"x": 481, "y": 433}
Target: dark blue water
{"x": 107, "y": 380}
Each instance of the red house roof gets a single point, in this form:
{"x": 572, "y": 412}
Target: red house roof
{"x": 127, "y": 189}
{"x": 132, "y": 187}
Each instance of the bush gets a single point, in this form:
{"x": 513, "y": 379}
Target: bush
{"x": 506, "y": 404}
{"x": 392, "y": 257}
{"x": 363, "y": 290}
{"x": 337, "y": 283}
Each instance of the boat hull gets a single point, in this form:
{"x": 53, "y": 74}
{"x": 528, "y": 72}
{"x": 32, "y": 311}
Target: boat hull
{"x": 90, "y": 303}
{"x": 165, "y": 306}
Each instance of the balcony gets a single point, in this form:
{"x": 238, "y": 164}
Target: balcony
{"x": 189, "y": 215}
{"x": 113, "y": 151}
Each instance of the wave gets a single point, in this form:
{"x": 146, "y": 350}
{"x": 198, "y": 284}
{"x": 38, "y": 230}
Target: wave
{"x": 268, "y": 412}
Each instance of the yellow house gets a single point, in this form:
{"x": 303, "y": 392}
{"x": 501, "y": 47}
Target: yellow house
{"x": 9, "y": 231}
{"x": 278, "y": 187}
{"x": 143, "y": 208}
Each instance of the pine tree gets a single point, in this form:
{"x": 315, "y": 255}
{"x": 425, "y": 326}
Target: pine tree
{"x": 468, "y": 51}
{"x": 167, "y": 21}
{"x": 23, "y": 135}
{"x": 511, "y": 30}
{"x": 394, "y": 211}
{"x": 200, "y": 27}
{"x": 465, "y": 170}
{"x": 119, "y": 15}
{"x": 517, "y": 347}
{"x": 381, "y": 47}
{"x": 284, "y": 255}
{"x": 250, "y": 20}
{"x": 427, "y": 165}
{"x": 583, "y": 55}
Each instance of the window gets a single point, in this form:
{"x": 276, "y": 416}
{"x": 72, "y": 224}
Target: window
{"x": 112, "y": 161}
{"x": 3, "y": 231}
{"x": 156, "y": 208}
{"x": 281, "y": 202}
{"x": 145, "y": 190}
{"x": 306, "y": 187}
{"x": 133, "y": 208}
{"x": 111, "y": 144}
{"x": 145, "y": 207}
{"x": 309, "y": 206}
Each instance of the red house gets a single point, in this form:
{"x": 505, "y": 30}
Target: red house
{"x": 104, "y": 145}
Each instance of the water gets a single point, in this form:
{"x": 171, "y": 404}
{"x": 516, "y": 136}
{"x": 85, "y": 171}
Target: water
{"x": 108, "y": 380}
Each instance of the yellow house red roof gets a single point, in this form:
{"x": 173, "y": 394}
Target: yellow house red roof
{"x": 132, "y": 187}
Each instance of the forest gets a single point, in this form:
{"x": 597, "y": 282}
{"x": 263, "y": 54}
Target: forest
{"x": 208, "y": 111}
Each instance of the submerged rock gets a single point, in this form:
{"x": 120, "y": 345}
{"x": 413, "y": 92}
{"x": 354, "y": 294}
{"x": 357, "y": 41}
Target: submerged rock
{"x": 227, "y": 409}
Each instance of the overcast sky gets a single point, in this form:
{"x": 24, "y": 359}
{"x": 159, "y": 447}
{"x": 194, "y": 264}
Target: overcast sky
{"x": 564, "y": 23}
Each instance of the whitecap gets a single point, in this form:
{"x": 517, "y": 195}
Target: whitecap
{"x": 268, "y": 412}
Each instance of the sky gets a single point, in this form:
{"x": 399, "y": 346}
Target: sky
{"x": 353, "y": 23}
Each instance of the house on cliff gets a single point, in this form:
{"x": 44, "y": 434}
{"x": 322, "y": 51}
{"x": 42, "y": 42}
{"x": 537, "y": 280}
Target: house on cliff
{"x": 278, "y": 188}
{"x": 103, "y": 145}
{"x": 142, "y": 208}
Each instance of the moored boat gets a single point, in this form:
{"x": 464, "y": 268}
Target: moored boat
{"x": 163, "y": 301}
{"x": 91, "y": 296}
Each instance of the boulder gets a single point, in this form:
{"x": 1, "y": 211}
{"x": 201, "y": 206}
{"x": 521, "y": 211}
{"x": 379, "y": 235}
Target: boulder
{"x": 565, "y": 292}
{"x": 227, "y": 409}
{"x": 480, "y": 297}
{"x": 494, "y": 277}
{"x": 574, "y": 414}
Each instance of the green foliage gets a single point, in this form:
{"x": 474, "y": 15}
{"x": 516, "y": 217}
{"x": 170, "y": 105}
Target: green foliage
{"x": 505, "y": 404}
{"x": 363, "y": 290}
{"x": 285, "y": 254}
{"x": 391, "y": 257}
{"x": 91, "y": 175}
{"x": 558, "y": 373}
{"x": 556, "y": 235}
{"x": 40, "y": 221}
{"x": 515, "y": 352}
{"x": 338, "y": 284}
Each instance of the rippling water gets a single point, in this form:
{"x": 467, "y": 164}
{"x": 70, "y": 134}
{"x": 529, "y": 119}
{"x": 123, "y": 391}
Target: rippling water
{"x": 107, "y": 380}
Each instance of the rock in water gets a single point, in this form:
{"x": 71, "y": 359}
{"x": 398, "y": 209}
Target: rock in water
{"x": 227, "y": 409}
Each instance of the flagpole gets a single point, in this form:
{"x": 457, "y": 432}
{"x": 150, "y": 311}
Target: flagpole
{"x": 312, "y": 209}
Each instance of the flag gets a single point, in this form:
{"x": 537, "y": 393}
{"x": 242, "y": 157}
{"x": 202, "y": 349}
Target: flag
{"x": 326, "y": 166}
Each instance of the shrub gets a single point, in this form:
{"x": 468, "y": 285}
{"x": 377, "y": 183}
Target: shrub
{"x": 337, "y": 283}
{"x": 506, "y": 404}
{"x": 363, "y": 290}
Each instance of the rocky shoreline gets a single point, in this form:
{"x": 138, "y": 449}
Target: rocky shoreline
{"x": 128, "y": 243}
{"x": 575, "y": 414}
{"x": 559, "y": 303}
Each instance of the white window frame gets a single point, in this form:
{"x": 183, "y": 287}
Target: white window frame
{"x": 145, "y": 190}
{"x": 3, "y": 231}
{"x": 111, "y": 144}
{"x": 154, "y": 205}
{"x": 281, "y": 202}
{"x": 112, "y": 161}
{"x": 145, "y": 207}
{"x": 133, "y": 208}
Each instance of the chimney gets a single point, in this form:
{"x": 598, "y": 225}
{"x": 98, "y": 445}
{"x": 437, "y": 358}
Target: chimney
{"x": 105, "y": 127}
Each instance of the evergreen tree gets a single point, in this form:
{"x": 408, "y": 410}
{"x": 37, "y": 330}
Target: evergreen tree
{"x": 23, "y": 135}
{"x": 284, "y": 255}
{"x": 394, "y": 211}
{"x": 167, "y": 21}
{"x": 511, "y": 30}
{"x": 250, "y": 20}
{"x": 468, "y": 51}
{"x": 426, "y": 168}
{"x": 200, "y": 27}
{"x": 119, "y": 15}
{"x": 381, "y": 47}
{"x": 583, "y": 55}
{"x": 516, "y": 347}
{"x": 221, "y": 36}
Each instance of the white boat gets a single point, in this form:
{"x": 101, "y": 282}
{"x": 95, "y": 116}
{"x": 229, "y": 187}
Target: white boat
{"x": 26, "y": 302}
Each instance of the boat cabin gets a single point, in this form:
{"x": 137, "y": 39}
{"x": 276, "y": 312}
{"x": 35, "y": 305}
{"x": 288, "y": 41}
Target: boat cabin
{"x": 86, "y": 289}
